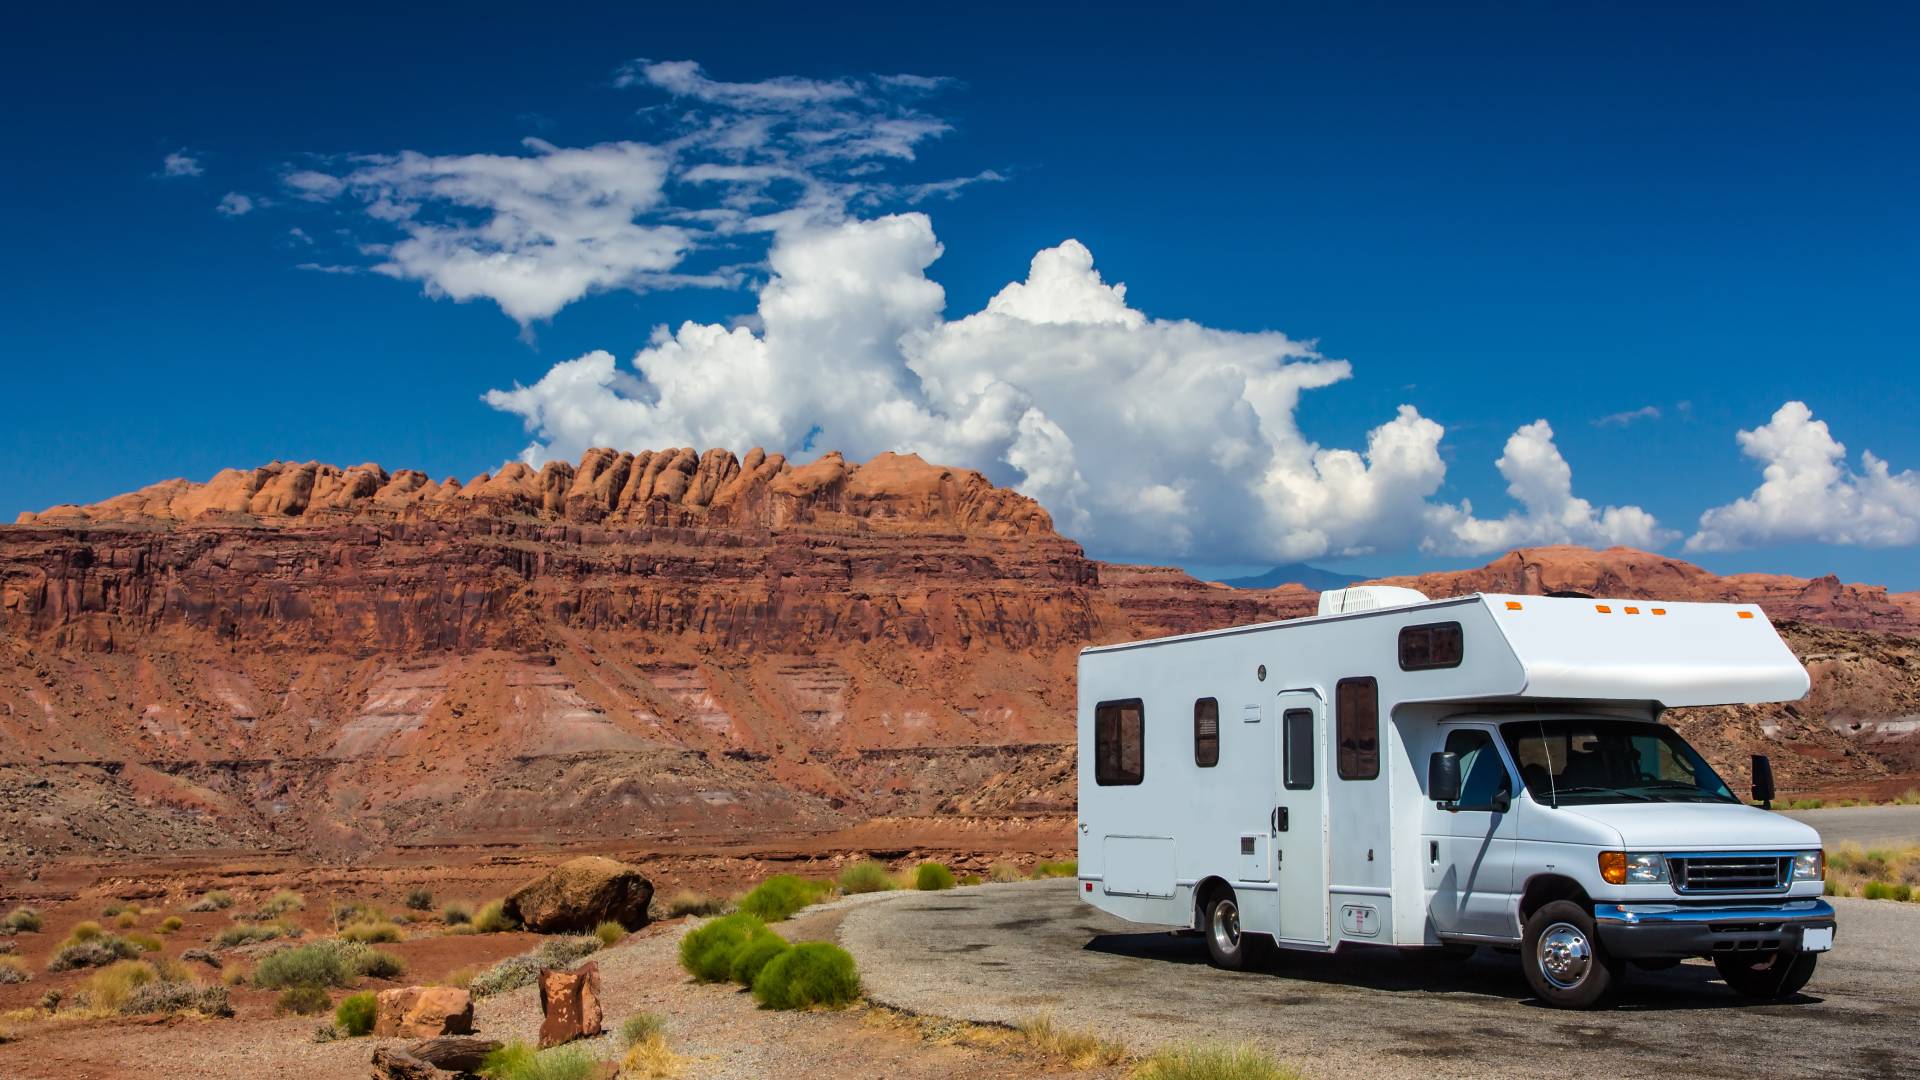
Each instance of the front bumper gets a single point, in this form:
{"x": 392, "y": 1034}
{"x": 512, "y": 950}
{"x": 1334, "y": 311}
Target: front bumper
{"x": 1649, "y": 931}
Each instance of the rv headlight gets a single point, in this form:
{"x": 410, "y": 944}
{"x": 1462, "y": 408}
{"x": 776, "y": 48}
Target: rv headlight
{"x": 1633, "y": 867}
{"x": 1810, "y": 865}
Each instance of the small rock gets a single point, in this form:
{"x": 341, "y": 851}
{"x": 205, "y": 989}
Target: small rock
{"x": 423, "y": 1012}
{"x": 571, "y": 1002}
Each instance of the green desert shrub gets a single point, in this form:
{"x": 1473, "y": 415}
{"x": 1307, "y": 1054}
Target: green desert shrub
{"x": 127, "y": 920}
{"x": 707, "y": 952}
{"x": 812, "y": 973}
{"x": 170, "y": 996}
{"x": 111, "y": 986}
{"x": 524, "y": 969}
{"x": 865, "y": 877}
{"x": 1877, "y": 890}
{"x": 146, "y": 942}
{"x": 22, "y": 920}
{"x": 688, "y": 902}
{"x": 316, "y": 965}
{"x": 13, "y": 970}
{"x": 492, "y": 918}
{"x": 932, "y": 877}
{"x": 372, "y": 933}
{"x": 355, "y": 912}
{"x": 610, "y": 933}
{"x": 302, "y": 1001}
{"x": 1208, "y": 1062}
{"x": 753, "y": 955}
{"x": 420, "y": 898}
{"x": 171, "y": 923}
{"x": 640, "y": 1027}
{"x": 778, "y": 897}
{"x": 247, "y": 934}
{"x": 519, "y": 1061}
{"x": 1059, "y": 869}
{"x": 87, "y": 930}
{"x": 354, "y": 1015}
{"x": 94, "y": 952}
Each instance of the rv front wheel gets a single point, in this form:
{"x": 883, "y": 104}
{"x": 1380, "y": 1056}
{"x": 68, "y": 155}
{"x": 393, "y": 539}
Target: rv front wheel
{"x": 1227, "y": 946}
{"x": 1565, "y": 963}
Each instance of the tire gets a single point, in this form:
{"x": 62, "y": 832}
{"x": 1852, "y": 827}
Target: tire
{"x": 1566, "y": 964}
{"x": 1776, "y": 975}
{"x": 1227, "y": 947}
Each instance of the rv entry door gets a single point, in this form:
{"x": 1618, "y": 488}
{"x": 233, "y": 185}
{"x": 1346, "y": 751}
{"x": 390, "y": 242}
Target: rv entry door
{"x": 1299, "y": 820}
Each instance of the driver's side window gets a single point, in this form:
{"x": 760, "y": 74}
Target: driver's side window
{"x": 1484, "y": 784}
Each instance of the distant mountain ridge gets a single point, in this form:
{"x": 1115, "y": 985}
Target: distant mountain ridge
{"x": 1311, "y": 577}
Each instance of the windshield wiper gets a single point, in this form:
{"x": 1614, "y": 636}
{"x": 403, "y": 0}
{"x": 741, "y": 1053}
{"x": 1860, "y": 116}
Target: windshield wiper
{"x": 1681, "y": 787}
{"x": 1609, "y": 790}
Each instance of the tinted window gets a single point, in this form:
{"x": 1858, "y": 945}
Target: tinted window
{"x": 1581, "y": 760}
{"x": 1482, "y": 774}
{"x": 1206, "y": 733}
{"x": 1435, "y": 645}
{"x": 1119, "y": 737}
{"x": 1297, "y": 729}
{"x": 1357, "y": 726}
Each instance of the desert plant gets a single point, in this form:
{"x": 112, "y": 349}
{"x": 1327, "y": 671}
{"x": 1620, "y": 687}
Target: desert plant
{"x": 86, "y": 930}
{"x": 146, "y": 942}
{"x": 127, "y": 920}
{"x": 302, "y": 1001}
{"x": 1059, "y": 869}
{"x": 50, "y": 1001}
{"x": 640, "y": 1027}
{"x": 327, "y": 1032}
{"x": 1208, "y": 1062}
{"x": 1877, "y": 890}
{"x": 216, "y": 900}
{"x": 13, "y": 970}
{"x": 1003, "y": 872}
{"x": 753, "y": 956}
{"x": 778, "y": 897}
{"x": 610, "y": 933}
{"x": 932, "y": 877}
{"x": 707, "y": 952}
{"x": 492, "y": 918}
{"x": 524, "y": 969}
{"x": 355, "y": 912}
{"x": 168, "y": 996}
{"x": 970, "y": 879}
{"x": 372, "y": 933}
{"x": 420, "y": 898}
{"x": 96, "y": 952}
{"x": 865, "y": 877}
{"x": 377, "y": 964}
{"x": 687, "y": 902}
{"x": 315, "y": 965}
{"x": 812, "y": 973}
{"x": 111, "y": 986}
{"x": 456, "y": 914}
{"x": 171, "y": 923}
{"x": 247, "y": 934}
{"x": 354, "y": 1015}
{"x": 282, "y": 902}
{"x": 519, "y": 1061}
{"x": 1077, "y": 1049}
{"x": 22, "y": 920}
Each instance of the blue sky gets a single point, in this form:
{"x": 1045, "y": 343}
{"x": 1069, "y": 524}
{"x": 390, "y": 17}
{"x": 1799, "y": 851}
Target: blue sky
{"x": 1495, "y": 215}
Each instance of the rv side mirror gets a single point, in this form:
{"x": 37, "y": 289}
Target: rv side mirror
{"x": 1763, "y": 780}
{"x": 1443, "y": 777}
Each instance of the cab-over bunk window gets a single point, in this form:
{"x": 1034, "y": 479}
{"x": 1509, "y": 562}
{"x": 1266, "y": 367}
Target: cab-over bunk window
{"x": 1434, "y": 645}
{"x": 1356, "y": 704}
{"x": 1119, "y": 742}
{"x": 1206, "y": 732}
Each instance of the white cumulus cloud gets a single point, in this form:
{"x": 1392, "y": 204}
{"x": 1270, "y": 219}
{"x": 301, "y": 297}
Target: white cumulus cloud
{"x": 234, "y": 204}
{"x": 1145, "y": 437}
{"x": 1808, "y": 493}
{"x": 180, "y": 163}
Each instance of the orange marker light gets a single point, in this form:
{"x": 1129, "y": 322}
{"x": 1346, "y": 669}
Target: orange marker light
{"x": 1513, "y": 605}
{"x": 1613, "y": 867}
{"x": 1633, "y": 611}
{"x": 1603, "y": 609}
{"x": 1659, "y": 611}
{"x": 1746, "y": 614}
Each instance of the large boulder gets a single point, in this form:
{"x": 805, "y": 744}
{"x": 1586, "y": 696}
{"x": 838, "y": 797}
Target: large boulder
{"x": 423, "y": 1012}
{"x": 570, "y": 1002}
{"x": 580, "y": 894}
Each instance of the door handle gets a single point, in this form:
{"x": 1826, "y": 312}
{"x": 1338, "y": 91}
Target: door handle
{"x": 1278, "y": 819}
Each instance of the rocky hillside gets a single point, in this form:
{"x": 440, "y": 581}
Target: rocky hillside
{"x": 673, "y": 644}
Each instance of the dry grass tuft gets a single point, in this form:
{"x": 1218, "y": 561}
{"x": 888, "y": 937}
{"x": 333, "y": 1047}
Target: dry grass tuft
{"x": 1075, "y": 1048}
{"x": 1197, "y": 1061}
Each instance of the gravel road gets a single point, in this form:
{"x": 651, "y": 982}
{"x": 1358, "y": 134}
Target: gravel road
{"x": 1868, "y": 826}
{"x": 998, "y": 953}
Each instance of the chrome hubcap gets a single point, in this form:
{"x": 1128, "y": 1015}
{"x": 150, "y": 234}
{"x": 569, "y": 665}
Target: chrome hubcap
{"x": 1226, "y": 926}
{"x": 1565, "y": 955}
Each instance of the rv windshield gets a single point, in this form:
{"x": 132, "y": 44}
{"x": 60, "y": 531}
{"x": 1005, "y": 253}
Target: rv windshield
{"x": 1582, "y": 760}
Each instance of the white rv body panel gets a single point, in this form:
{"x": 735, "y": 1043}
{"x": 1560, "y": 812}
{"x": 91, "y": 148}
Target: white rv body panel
{"x": 1342, "y": 856}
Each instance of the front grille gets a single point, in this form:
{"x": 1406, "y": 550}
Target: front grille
{"x": 1729, "y": 873}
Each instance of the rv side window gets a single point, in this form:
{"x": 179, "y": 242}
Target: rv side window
{"x": 1206, "y": 732}
{"x": 1297, "y": 727}
{"x": 1357, "y": 726}
{"x": 1119, "y": 737}
{"x": 1435, "y": 645}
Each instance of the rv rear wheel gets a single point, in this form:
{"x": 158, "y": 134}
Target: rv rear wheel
{"x": 1565, "y": 963}
{"x": 1776, "y": 975}
{"x": 1227, "y": 946}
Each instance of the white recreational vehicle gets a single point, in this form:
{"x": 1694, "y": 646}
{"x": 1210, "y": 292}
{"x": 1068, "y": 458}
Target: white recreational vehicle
{"x": 1487, "y": 770}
